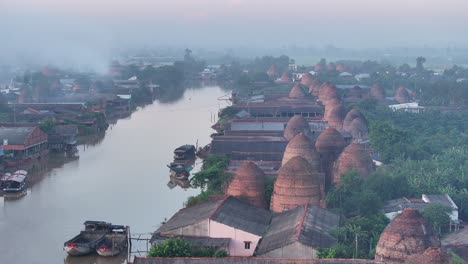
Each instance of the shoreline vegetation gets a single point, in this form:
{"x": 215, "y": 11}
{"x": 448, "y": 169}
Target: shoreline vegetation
{"x": 422, "y": 153}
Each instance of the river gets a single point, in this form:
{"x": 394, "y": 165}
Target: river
{"x": 122, "y": 179}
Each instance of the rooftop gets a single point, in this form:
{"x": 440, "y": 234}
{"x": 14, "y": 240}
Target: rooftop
{"x": 228, "y": 211}
{"x": 308, "y": 224}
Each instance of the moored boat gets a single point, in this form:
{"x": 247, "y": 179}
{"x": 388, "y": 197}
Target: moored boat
{"x": 185, "y": 152}
{"x": 179, "y": 168}
{"x": 14, "y": 183}
{"x": 86, "y": 242}
{"x": 115, "y": 242}
{"x": 204, "y": 152}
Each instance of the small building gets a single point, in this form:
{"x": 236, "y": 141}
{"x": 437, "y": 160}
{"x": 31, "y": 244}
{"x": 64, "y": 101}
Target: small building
{"x": 228, "y": 217}
{"x": 298, "y": 233}
{"x": 412, "y": 107}
{"x": 23, "y": 142}
{"x": 63, "y": 137}
{"x": 445, "y": 200}
{"x": 392, "y": 208}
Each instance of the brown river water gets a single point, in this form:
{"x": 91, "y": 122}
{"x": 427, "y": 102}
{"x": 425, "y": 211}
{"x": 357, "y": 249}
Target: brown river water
{"x": 122, "y": 178}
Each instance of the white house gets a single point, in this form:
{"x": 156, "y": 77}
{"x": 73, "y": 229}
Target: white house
{"x": 228, "y": 218}
{"x": 392, "y": 208}
{"x": 407, "y": 107}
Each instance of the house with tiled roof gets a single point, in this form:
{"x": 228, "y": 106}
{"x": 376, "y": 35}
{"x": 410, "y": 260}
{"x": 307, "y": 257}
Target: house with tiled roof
{"x": 299, "y": 233}
{"x": 21, "y": 142}
{"x": 243, "y": 224}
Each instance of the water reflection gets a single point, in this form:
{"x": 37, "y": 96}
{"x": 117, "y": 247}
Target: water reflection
{"x": 119, "y": 177}
{"x": 95, "y": 259}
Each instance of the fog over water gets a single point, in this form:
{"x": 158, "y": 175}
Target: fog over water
{"x": 88, "y": 33}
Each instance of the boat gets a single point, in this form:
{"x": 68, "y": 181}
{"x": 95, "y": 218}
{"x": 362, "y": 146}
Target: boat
{"x": 87, "y": 241}
{"x": 204, "y": 152}
{"x": 185, "y": 152}
{"x": 174, "y": 181}
{"x": 115, "y": 242}
{"x": 14, "y": 183}
{"x": 180, "y": 168}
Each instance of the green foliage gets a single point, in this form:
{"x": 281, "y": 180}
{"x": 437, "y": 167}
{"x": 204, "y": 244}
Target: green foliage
{"x": 326, "y": 253}
{"x": 212, "y": 179}
{"x": 202, "y": 197}
{"x": 47, "y": 125}
{"x": 213, "y": 176}
{"x": 351, "y": 197}
{"x": 455, "y": 259}
{"x": 437, "y": 215}
{"x": 178, "y": 247}
{"x": 269, "y": 184}
{"x": 365, "y": 230}
{"x": 171, "y": 248}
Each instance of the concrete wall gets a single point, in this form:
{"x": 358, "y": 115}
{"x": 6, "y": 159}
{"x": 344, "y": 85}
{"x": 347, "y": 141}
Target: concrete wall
{"x": 294, "y": 250}
{"x": 238, "y": 237}
{"x": 199, "y": 229}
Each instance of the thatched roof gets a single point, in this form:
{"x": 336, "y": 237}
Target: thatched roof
{"x": 302, "y": 146}
{"x": 354, "y": 156}
{"x": 407, "y": 234}
{"x": 297, "y": 184}
{"x": 248, "y": 184}
{"x": 296, "y": 125}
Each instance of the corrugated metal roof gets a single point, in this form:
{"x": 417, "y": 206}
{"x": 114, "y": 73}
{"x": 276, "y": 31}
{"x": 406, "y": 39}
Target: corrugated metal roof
{"x": 15, "y": 135}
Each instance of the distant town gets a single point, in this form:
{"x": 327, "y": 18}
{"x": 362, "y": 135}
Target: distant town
{"x": 341, "y": 161}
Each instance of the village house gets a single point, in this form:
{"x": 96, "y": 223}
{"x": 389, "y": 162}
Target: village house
{"x": 228, "y": 217}
{"x": 298, "y": 233}
{"x": 63, "y": 137}
{"x": 392, "y": 208}
{"x": 22, "y": 143}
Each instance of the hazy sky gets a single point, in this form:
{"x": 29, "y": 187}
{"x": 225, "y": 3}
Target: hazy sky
{"x": 87, "y": 28}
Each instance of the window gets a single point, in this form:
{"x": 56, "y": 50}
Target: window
{"x": 247, "y": 244}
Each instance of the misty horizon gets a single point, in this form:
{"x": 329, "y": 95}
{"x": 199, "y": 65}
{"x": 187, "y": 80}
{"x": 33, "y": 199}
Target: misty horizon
{"x": 85, "y": 32}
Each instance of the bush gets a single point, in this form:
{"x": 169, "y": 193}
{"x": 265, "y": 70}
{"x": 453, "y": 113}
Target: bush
{"x": 178, "y": 247}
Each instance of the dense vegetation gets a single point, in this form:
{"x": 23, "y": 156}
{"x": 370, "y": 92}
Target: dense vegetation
{"x": 178, "y": 247}
{"x": 424, "y": 153}
{"x": 211, "y": 179}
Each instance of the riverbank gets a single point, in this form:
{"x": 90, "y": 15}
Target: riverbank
{"x": 122, "y": 179}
